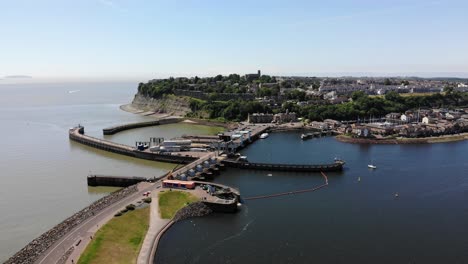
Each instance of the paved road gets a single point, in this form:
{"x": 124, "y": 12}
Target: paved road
{"x": 156, "y": 225}
{"x": 86, "y": 229}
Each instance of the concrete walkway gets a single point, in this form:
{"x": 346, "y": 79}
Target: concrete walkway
{"x": 80, "y": 236}
{"x": 157, "y": 224}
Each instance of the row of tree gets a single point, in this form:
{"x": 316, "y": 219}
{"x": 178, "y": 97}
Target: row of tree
{"x": 233, "y": 83}
{"x": 364, "y": 106}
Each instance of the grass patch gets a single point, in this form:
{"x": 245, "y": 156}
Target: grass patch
{"x": 119, "y": 241}
{"x": 172, "y": 201}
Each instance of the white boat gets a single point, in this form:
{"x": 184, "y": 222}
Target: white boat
{"x": 264, "y": 135}
{"x": 372, "y": 166}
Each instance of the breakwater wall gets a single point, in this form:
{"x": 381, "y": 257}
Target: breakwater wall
{"x": 31, "y": 252}
{"x": 229, "y": 207}
{"x": 115, "y": 129}
{"x": 77, "y": 134}
{"x": 103, "y": 180}
{"x": 337, "y": 166}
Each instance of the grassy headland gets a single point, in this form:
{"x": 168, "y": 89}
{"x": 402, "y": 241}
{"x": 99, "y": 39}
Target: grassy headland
{"x": 120, "y": 240}
{"x": 172, "y": 201}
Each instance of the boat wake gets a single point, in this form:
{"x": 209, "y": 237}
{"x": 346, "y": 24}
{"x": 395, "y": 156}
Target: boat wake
{"x": 73, "y": 91}
{"x": 196, "y": 259}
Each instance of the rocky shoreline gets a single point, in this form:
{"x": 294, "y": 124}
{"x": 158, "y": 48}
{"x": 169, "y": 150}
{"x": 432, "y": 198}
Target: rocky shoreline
{"x": 196, "y": 209}
{"x": 31, "y": 252}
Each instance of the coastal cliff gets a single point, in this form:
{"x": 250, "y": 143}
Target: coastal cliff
{"x": 168, "y": 104}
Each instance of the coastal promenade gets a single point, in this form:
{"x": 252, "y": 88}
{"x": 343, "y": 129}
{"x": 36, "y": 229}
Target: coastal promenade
{"x": 81, "y": 235}
{"x": 156, "y": 227}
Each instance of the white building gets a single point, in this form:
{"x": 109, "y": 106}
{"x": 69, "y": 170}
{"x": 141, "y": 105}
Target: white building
{"x": 404, "y": 118}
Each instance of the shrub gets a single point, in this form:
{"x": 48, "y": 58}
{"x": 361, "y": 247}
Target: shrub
{"x": 118, "y": 214}
{"x": 147, "y": 200}
{"x": 130, "y": 207}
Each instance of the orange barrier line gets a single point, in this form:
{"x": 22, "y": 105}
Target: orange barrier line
{"x": 291, "y": 192}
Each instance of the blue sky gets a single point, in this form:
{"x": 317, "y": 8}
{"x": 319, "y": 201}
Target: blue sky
{"x": 138, "y": 39}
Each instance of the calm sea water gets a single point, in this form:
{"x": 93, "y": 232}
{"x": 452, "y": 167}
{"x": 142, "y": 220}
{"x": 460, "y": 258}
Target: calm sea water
{"x": 44, "y": 181}
{"x": 43, "y": 174}
{"x": 349, "y": 221}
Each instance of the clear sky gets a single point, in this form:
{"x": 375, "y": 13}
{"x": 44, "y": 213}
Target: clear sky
{"x": 145, "y": 39}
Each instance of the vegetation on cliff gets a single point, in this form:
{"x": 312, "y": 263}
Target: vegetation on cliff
{"x": 233, "y": 110}
{"x": 236, "y": 107}
{"x": 233, "y": 83}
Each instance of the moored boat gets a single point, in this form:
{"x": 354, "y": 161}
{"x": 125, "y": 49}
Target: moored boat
{"x": 264, "y": 135}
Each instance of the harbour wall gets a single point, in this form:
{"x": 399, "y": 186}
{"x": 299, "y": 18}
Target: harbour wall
{"x": 222, "y": 208}
{"x": 77, "y": 134}
{"x": 115, "y": 129}
{"x": 103, "y": 180}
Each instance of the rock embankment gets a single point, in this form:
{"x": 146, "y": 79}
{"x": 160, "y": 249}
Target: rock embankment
{"x": 192, "y": 210}
{"x": 31, "y": 252}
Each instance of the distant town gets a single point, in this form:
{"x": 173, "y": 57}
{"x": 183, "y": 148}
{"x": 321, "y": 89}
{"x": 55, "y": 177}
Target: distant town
{"x": 358, "y": 107}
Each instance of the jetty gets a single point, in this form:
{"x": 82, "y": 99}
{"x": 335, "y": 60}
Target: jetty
{"x": 116, "y": 181}
{"x": 336, "y": 166}
{"x": 77, "y": 134}
{"x": 118, "y": 128}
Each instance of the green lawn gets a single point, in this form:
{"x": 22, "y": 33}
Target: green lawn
{"x": 118, "y": 241}
{"x": 171, "y": 201}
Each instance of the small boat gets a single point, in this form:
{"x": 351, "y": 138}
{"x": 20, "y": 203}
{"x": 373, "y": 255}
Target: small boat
{"x": 370, "y": 166}
{"x": 396, "y": 195}
{"x": 359, "y": 179}
{"x": 306, "y": 136}
{"x": 264, "y": 135}
{"x": 339, "y": 161}
{"x": 243, "y": 158}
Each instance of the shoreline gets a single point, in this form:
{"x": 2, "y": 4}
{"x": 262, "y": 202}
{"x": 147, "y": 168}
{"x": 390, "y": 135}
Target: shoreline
{"x": 400, "y": 140}
{"x": 287, "y": 127}
{"x": 189, "y": 120}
